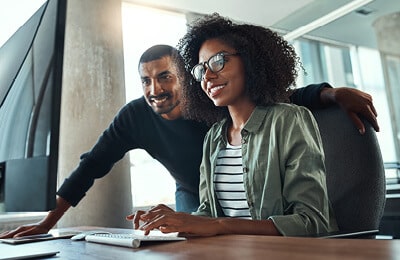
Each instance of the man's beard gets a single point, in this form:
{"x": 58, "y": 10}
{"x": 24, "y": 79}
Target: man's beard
{"x": 166, "y": 110}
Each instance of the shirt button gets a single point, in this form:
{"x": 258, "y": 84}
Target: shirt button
{"x": 245, "y": 169}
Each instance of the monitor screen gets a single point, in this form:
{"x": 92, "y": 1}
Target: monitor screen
{"x": 31, "y": 63}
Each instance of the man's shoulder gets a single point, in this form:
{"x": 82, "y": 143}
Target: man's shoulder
{"x": 136, "y": 106}
{"x": 137, "y": 103}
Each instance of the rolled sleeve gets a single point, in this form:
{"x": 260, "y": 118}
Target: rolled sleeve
{"x": 306, "y": 204}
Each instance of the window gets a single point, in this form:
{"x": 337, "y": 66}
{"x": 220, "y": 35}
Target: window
{"x": 392, "y": 70}
{"x": 13, "y": 14}
{"x": 144, "y": 27}
{"x": 372, "y": 81}
{"x": 323, "y": 62}
{"x": 311, "y": 62}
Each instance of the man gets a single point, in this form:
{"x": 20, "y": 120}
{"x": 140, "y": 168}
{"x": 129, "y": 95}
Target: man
{"x": 154, "y": 123}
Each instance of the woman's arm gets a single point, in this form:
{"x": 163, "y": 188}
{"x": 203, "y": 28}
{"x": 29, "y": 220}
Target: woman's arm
{"x": 167, "y": 221}
{"x": 305, "y": 198}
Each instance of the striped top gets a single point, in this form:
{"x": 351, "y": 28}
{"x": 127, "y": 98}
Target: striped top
{"x": 228, "y": 183}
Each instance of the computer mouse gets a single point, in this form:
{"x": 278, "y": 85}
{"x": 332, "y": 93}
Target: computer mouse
{"x": 81, "y": 236}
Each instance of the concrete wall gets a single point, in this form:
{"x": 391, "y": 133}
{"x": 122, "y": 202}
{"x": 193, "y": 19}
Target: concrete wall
{"x": 93, "y": 91}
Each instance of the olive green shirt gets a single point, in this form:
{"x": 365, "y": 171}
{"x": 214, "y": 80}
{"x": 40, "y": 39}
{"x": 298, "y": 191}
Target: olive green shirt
{"x": 284, "y": 170}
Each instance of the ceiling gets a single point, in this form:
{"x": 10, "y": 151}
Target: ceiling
{"x": 287, "y": 15}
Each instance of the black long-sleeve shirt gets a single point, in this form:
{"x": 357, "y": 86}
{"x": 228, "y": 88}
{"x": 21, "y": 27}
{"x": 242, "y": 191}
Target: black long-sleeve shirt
{"x": 177, "y": 144}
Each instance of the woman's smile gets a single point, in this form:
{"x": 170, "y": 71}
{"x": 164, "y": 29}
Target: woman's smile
{"x": 215, "y": 90}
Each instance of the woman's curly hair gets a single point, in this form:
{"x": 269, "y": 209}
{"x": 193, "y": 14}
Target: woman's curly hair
{"x": 270, "y": 65}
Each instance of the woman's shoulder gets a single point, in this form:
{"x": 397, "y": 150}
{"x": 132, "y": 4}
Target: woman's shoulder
{"x": 287, "y": 109}
{"x": 217, "y": 126}
{"x": 287, "y": 112}
{"x": 216, "y": 130}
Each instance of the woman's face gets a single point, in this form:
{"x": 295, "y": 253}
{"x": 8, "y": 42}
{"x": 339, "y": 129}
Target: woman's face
{"x": 227, "y": 86}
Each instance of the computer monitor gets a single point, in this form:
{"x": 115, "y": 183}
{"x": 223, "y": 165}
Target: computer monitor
{"x": 31, "y": 63}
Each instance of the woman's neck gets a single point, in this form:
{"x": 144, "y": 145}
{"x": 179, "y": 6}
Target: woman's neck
{"x": 239, "y": 116}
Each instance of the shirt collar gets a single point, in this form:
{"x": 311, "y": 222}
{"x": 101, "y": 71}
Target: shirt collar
{"x": 256, "y": 119}
{"x": 252, "y": 125}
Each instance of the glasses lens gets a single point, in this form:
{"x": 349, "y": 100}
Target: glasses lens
{"x": 216, "y": 62}
{"x": 198, "y": 72}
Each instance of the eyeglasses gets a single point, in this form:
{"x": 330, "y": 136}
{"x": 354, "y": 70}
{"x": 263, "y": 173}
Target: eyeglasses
{"x": 215, "y": 63}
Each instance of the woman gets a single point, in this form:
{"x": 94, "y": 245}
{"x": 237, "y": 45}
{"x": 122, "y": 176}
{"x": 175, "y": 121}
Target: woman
{"x": 263, "y": 169}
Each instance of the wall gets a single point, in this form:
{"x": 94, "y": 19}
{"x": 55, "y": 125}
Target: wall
{"x": 93, "y": 91}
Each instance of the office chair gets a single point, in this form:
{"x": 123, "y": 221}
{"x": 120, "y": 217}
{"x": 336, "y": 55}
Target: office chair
{"x": 354, "y": 171}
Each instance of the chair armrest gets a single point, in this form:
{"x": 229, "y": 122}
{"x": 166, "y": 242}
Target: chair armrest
{"x": 349, "y": 234}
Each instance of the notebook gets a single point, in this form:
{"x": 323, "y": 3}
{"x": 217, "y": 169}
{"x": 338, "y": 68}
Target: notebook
{"x": 13, "y": 252}
{"x": 36, "y": 238}
{"x": 134, "y": 239}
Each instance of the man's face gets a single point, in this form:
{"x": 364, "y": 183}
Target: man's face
{"x": 161, "y": 86}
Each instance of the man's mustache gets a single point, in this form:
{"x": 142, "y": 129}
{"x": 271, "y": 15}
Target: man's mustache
{"x": 168, "y": 95}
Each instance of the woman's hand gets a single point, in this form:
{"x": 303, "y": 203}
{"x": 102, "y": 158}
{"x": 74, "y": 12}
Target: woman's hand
{"x": 166, "y": 220}
{"x": 137, "y": 217}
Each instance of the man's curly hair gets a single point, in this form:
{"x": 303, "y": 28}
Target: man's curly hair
{"x": 270, "y": 65}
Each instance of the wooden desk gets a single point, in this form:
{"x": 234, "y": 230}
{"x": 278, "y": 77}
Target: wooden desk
{"x": 226, "y": 247}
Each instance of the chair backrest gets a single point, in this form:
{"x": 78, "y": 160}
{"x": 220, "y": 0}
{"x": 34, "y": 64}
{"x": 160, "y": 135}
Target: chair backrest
{"x": 354, "y": 170}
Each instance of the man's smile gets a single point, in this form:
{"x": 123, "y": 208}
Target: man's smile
{"x": 159, "y": 99}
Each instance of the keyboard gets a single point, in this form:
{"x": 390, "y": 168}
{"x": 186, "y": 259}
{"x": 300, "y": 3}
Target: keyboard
{"x": 132, "y": 240}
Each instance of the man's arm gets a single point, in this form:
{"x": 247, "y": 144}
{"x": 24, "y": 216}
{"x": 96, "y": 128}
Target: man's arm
{"x": 354, "y": 102}
{"x": 309, "y": 96}
{"x": 110, "y": 147}
{"x": 44, "y": 225}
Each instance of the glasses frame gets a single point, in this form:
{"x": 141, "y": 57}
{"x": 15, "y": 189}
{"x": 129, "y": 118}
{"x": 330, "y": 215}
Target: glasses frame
{"x": 203, "y": 65}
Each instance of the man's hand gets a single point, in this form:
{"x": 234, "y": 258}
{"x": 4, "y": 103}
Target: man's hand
{"x": 41, "y": 227}
{"x": 25, "y": 230}
{"x": 355, "y": 103}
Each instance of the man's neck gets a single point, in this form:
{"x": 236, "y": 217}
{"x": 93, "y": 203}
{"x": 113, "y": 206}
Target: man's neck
{"x": 173, "y": 115}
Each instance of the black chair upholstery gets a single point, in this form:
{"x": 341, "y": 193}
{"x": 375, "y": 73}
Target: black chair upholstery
{"x": 354, "y": 171}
